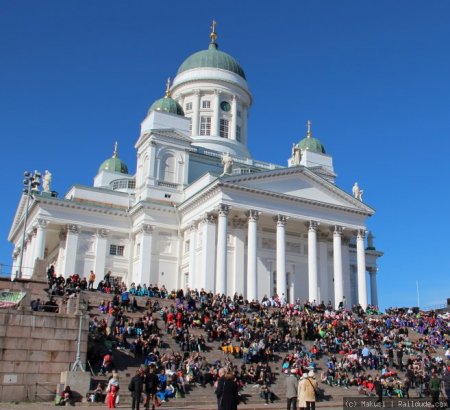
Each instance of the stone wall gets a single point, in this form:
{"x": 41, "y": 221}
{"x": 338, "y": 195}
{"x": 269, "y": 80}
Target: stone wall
{"x": 35, "y": 347}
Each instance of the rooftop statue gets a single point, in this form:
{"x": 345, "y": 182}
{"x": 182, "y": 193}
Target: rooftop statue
{"x": 46, "y": 181}
{"x": 227, "y": 163}
{"x": 357, "y": 192}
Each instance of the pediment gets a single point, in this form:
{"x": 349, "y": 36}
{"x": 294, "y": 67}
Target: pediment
{"x": 298, "y": 182}
{"x": 19, "y": 215}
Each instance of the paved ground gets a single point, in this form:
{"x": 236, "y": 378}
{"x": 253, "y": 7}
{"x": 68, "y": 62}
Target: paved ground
{"x": 45, "y": 406}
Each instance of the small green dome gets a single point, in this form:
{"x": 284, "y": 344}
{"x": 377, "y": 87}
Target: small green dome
{"x": 311, "y": 144}
{"x": 114, "y": 164}
{"x": 167, "y": 104}
{"x": 213, "y": 58}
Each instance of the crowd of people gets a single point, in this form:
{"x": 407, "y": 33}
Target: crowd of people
{"x": 358, "y": 349}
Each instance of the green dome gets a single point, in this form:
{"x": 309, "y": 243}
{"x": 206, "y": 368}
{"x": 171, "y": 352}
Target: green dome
{"x": 167, "y": 104}
{"x": 311, "y": 144}
{"x": 114, "y": 164}
{"x": 213, "y": 58}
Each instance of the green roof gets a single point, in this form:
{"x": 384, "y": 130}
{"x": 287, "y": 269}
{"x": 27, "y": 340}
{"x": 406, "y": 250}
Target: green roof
{"x": 114, "y": 164}
{"x": 311, "y": 144}
{"x": 213, "y": 58}
{"x": 167, "y": 104}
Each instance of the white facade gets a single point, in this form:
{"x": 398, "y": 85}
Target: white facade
{"x": 263, "y": 229}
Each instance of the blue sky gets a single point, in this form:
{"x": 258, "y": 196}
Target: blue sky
{"x": 372, "y": 76}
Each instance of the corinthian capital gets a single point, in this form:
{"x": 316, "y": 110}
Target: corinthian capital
{"x": 208, "y": 219}
{"x": 361, "y": 233}
{"x": 313, "y": 225}
{"x": 253, "y": 215}
{"x": 72, "y": 228}
{"x": 280, "y": 220}
{"x": 223, "y": 209}
{"x": 146, "y": 228}
{"x": 102, "y": 233}
{"x": 42, "y": 223}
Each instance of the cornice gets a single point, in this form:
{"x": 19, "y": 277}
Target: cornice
{"x": 363, "y": 209}
{"x": 171, "y": 133}
{"x": 143, "y": 206}
{"x": 84, "y": 206}
{"x": 292, "y": 198}
{"x": 200, "y": 197}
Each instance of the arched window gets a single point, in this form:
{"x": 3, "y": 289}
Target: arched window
{"x": 167, "y": 170}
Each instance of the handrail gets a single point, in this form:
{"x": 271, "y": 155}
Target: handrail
{"x": 50, "y": 392}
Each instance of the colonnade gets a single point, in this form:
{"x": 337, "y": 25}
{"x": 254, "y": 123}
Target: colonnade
{"x": 215, "y": 259}
{"x": 215, "y": 112}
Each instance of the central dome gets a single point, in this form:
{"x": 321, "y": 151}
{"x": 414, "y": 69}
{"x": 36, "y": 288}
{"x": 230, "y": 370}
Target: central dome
{"x": 212, "y": 58}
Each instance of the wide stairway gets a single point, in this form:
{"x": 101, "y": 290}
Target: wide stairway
{"x": 198, "y": 397}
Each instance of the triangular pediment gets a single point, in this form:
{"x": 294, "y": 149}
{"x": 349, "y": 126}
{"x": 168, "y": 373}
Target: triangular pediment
{"x": 19, "y": 215}
{"x": 298, "y": 182}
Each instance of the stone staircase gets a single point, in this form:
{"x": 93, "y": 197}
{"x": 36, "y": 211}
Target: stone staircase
{"x": 197, "y": 396}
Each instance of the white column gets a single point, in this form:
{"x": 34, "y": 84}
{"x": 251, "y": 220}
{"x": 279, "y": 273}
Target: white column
{"x": 238, "y": 257}
{"x": 59, "y": 267}
{"x": 373, "y": 287}
{"x": 337, "y": 263}
{"x": 215, "y": 131}
{"x": 234, "y": 102}
{"x": 193, "y": 278}
{"x": 70, "y": 257}
{"x": 196, "y": 113}
{"x": 144, "y": 274}
{"x": 324, "y": 284}
{"x": 40, "y": 239}
{"x": 100, "y": 255}
{"x": 312, "y": 262}
{"x": 27, "y": 267}
{"x": 222, "y": 248}
{"x": 15, "y": 263}
{"x": 208, "y": 257}
{"x": 281, "y": 257}
{"x": 244, "y": 127}
{"x": 361, "y": 260}
{"x": 252, "y": 275}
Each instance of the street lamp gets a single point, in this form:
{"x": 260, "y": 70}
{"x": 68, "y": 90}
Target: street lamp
{"x": 30, "y": 183}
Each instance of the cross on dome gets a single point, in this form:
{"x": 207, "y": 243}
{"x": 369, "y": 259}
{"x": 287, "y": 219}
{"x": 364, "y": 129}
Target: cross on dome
{"x": 213, "y": 35}
{"x": 168, "y": 87}
{"x": 308, "y": 129}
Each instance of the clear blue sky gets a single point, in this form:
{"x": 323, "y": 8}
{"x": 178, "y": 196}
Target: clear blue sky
{"x": 373, "y": 77}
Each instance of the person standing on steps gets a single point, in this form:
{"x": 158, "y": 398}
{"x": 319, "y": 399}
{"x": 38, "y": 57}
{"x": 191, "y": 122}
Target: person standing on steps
{"x": 227, "y": 392}
{"x": 309, "y": 387}
{"x": 136, "y": 388}
{"x": 291, "y": 390}
{"x": 151, "y": 382}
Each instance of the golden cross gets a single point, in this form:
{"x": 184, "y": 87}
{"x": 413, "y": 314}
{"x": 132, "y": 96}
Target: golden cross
{"x": 168, "y": 87}
{"x": 213, "y": 34}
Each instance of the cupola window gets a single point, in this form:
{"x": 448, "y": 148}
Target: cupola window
{"x": 205, "y": 125}
{"x": 238, "y": 133}
{"x": 206, "y": 104}
{"x": 224, "y": 126}
{"x": 188, "y": 106}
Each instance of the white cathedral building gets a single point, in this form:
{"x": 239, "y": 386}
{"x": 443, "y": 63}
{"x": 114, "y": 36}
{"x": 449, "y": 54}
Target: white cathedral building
{"x": 200, "y": 212}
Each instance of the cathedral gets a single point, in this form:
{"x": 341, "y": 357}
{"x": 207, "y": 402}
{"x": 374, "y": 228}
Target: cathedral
{"x": 201, "y": 212}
